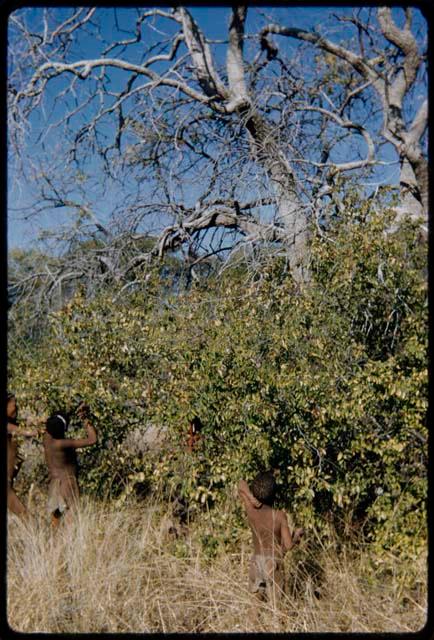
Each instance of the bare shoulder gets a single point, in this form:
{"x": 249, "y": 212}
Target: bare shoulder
{"x": 58, "y": 443}
{"x": 281, "y": 516}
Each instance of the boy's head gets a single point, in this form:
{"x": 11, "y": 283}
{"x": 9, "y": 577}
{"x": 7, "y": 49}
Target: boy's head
{"x": 56, "y": 425}
{"x": 263, "y": 488}
{"x": 11, "y": 406}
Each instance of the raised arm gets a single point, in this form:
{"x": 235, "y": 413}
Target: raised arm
{"x": 247, "y": 496}
{"x": 79, "y": 443}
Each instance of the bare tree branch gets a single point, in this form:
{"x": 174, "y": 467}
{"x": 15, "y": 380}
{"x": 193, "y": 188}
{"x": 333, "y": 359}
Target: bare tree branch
{"x": 392, "y": 89}
{"x": 234, "y": 61}
{"x": 172, "y": 136}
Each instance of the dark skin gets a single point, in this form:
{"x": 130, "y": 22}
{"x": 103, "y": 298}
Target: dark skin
{"x": 194, "y": 436}
{"x": 272, "y": 538}
{"x": 14, "y": 503}
{"x": 61, "y": 453}
{"x": 271, "y": 534}
{"x": 61, "y": 457}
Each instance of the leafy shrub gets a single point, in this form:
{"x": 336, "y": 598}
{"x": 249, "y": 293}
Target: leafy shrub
{"x": 327, "y": 384}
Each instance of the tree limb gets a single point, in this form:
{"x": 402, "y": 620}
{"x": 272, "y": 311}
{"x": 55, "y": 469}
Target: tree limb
{"x": 234, "y": 61}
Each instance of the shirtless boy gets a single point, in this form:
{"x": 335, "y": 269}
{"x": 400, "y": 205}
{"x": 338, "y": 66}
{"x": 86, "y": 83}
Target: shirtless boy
{"x": 61, "y": 459}
{"x": 14, "y": 460}
{"x": 271, "y": 536}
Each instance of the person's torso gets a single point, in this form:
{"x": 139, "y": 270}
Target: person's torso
{"x": 265, "y": 526}
{"x": 60, "y": 462}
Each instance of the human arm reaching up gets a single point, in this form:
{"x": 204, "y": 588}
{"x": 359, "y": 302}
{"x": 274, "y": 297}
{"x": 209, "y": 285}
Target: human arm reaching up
{"x": 247, "y": 496}
{"x": 79, "y": 443}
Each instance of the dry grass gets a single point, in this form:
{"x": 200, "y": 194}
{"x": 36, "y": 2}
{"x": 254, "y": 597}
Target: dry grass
{"x": 115, "y": 569}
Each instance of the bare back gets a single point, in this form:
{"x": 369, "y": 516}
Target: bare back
{"x": 61, "y": 461}
{"x": 270, "y": 530}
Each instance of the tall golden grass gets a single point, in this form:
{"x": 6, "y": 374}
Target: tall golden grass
{"x": 117, "y": 569}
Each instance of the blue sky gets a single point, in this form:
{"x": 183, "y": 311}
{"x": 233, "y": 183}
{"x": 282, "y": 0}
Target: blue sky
{"x": 214, "y": 23}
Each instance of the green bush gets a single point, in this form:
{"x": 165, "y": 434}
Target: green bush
{"x": 327, "y": 384}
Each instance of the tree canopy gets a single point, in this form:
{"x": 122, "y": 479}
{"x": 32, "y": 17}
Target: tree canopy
{"x": 157, "y": 121}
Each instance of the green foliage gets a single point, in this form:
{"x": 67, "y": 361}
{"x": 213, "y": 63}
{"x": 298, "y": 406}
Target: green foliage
{"x": 328, "y": 384}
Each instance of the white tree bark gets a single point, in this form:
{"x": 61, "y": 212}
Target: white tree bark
{"x": 392, "y": 85}
{"x": 235, "y": 98}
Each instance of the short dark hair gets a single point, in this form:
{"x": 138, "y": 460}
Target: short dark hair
{"x": 57, "y": 424}
{"x": 263, "y": 487}
{"x": 10, "y": 396}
